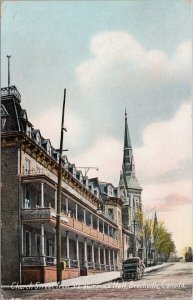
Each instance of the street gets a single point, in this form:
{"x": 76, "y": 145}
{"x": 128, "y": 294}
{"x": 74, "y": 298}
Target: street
{"x": 172, "y": 282}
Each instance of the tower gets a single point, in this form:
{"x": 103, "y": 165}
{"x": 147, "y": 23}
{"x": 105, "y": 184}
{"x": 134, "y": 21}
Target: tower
{"x": 130, "y": 192}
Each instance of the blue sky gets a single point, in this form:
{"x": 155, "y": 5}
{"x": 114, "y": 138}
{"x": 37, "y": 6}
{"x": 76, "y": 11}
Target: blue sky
{"x": 110, "y": 55}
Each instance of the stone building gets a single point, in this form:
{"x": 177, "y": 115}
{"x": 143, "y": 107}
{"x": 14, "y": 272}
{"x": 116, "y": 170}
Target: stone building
{"x": 130, "y": 193}
{"x": 91, "y": 242}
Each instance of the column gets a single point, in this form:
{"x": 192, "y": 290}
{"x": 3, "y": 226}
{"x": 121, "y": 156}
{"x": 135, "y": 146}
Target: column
{"x": 85, "y": 253}
{"x": 55, "y": 197}
{"x": 108, "y": 229}
{"x": 98, "y": 224}
{"x": 93, "y": 254}
{"x": 68, "y": 247}
{"x": 114, "y": 259}
{"x": 109, "y": 259}
{"x": 104, "y": 255}
{"x": 42, "y": 245}
{"x": 76, "y": 211}
{"x": 67, "y": 205}
{"x": 84, "y": 216}
{"x": 91, "y": 221}
{"x": 99, "y": 254}
{"x": 22, "y": 248}
{"x": 42, "y": 194}
{"x": 103, "y": 226}
{"x": 77, "y": 250}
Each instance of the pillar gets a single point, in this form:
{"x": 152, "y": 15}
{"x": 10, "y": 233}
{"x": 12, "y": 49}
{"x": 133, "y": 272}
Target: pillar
{"x": 85, "y": 253}
{"x": 98, "y": 224}
{"x": 114, "y": 259}
{"x": 67, "y": 205}
{"x": 68, "y": 247}
{"x": 109, "y": 258}
{"x": 22, "y": 248}
{"x": 93, "y": 254}
{"x": 42, "y": 194}
{"x": 42, "y": 245}
{"x": 104, "y": 255}
{"x": 103, "y": 226}
{"x": 77, "y": 249}
{"x": 76, "y": 211}
{"x": 91, "y": 221}
{"x": 108, "y": 229}
{"x": 55, "y": 197}
{"x": 99, "y": 254}
{"x": 84, "y": 216}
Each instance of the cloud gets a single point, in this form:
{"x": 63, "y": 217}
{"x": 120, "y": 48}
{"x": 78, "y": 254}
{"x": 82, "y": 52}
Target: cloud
{"x": 106, "y": 155}
{"x": 49, "y": 123}
{"x": 167, "y": 145}
{"x": 170, "y": 202}
{"x": 121, "y": 73}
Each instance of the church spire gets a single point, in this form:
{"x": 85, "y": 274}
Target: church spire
{"x": 128, "y": 161}
{"x": 127, "y": 140}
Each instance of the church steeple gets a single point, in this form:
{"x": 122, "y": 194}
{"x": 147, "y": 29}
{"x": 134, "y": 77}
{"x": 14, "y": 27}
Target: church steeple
{"x": 128, "y": 161}
{"x": 127, "y": 140}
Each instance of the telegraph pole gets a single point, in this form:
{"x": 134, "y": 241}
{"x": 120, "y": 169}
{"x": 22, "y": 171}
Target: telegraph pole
{"x": 8, "y": 56}
{"x": 134, "y": 246}
{"x": 58, "y": 229}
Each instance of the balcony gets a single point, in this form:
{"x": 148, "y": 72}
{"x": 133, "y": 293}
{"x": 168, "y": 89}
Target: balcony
{"x": 12, "y": 90}
{"x": 46, "y": 213}
{"x": 70, "y": 224}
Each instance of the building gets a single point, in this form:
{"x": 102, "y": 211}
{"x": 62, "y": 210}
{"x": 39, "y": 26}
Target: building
{"x": 98, "y": 221}
{"x": 130, "y": 192}
{"x": 91, "y": 242}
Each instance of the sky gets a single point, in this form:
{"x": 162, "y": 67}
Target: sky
{"x": 111, "y": 55}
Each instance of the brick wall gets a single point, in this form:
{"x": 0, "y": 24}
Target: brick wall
{"x": 10, "y": 214}
{"x": 45, "y": 274}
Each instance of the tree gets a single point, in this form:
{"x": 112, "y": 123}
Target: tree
{"x": 188, "y": 254}
{"x": 163, "y": 242}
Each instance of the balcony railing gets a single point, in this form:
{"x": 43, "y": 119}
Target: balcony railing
{"x": 49, "y": 213}
{"x": 41, "y": 213}
{"x": 12, "y": 90}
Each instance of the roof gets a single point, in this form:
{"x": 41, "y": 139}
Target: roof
{"x": 133, "y": 183}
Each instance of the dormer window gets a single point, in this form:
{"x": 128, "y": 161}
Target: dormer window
{"x": 4, "y": 115}
{"x": 49, "y": 149}
{"x": 110, "y": 190}
{"x": 38, "y": 138}
{"x": 28, "y": 130}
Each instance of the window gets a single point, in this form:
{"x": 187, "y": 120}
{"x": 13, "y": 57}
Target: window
{"x": 49, "y": 247}
{"x": 38, "y": 139}
{"x": 27, "y": 243}
{"x": 38, "y": 244}
{"x": 37, "y": 169}
{"x": 27, "y": 166}
{"x": 27, "y": 199}
{"x": 28, "y": 130}
{"x": 4, "y": 115}
{"x": 49, "y": 149}
{"x": 110, "y": 213}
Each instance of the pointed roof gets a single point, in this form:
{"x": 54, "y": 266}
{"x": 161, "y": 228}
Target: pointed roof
{"x": 127, "y": 140}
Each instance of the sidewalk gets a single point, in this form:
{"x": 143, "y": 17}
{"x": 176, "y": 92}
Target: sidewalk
{"x": 96, "y": 279}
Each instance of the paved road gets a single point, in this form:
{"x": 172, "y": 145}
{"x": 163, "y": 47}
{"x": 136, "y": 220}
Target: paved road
{"x": 173, "y": 282}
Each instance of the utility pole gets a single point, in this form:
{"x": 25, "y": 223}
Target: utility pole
{"x": 8, "y": 56}
{"x": 134, "y": 246}
{"x": 58, "y": 229}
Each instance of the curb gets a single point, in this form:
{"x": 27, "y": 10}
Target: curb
{"x": 55, "y": 286}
